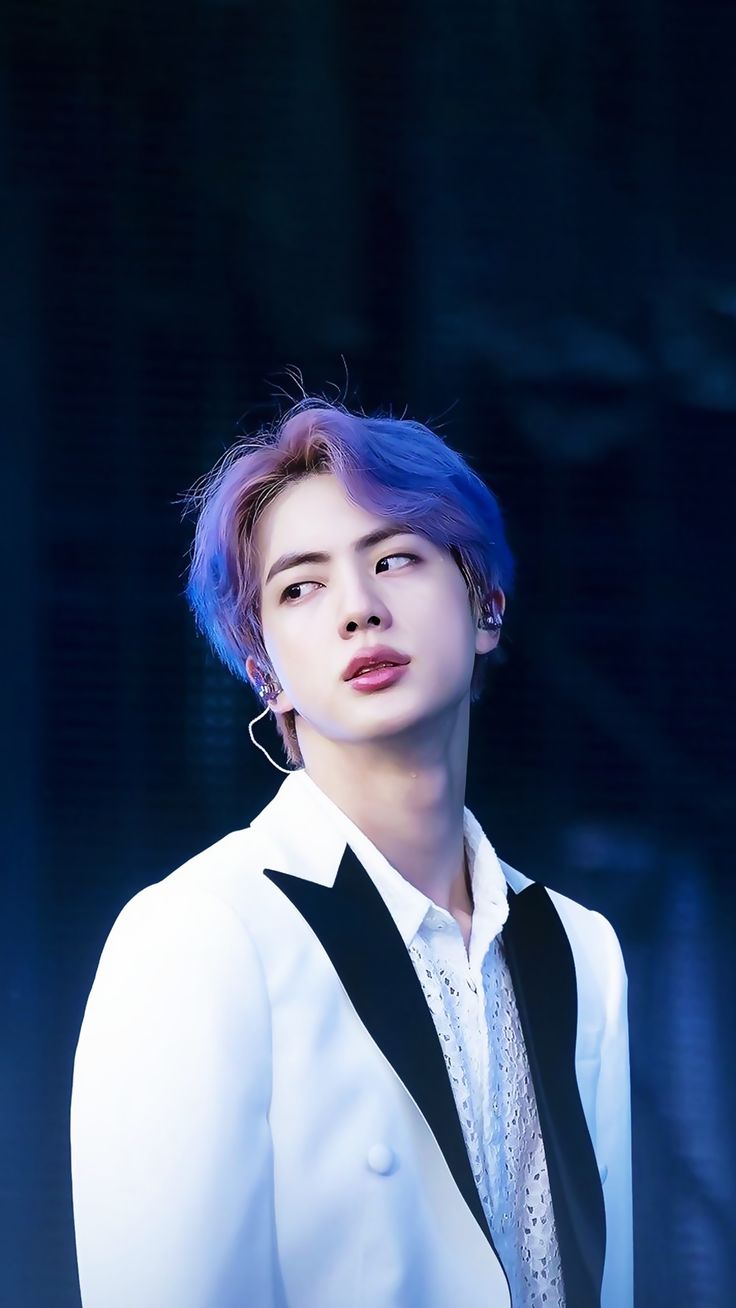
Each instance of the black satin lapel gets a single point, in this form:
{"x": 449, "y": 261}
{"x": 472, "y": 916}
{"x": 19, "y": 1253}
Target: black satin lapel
{"x": 367, "y": 951}
{"x": 543, "y": 972}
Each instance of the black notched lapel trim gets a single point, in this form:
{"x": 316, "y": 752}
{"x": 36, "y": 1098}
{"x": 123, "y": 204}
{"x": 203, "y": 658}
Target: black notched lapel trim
{"x": 369, "y": 955}
{"x": 542, "y": 969}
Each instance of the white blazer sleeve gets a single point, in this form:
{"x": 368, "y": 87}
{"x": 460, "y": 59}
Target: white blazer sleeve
{"x": 172, "y": 1175}
{"x": 613, "y": 1126}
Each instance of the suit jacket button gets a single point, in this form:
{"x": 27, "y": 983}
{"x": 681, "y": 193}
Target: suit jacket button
{"x": 380, "y": 1158}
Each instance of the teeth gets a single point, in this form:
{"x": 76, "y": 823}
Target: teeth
{"x": 373, "y": 667}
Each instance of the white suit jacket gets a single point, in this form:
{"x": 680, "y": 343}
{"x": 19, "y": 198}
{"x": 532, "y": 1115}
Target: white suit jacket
{"x": 261, "y": 1115}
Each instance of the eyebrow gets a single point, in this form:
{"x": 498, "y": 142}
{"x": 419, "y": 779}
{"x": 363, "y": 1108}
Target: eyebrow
{"x": 286, "y": 561}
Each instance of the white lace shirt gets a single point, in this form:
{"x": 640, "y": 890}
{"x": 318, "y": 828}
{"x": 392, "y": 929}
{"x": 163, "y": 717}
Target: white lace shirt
{"x": 471, "y": 999}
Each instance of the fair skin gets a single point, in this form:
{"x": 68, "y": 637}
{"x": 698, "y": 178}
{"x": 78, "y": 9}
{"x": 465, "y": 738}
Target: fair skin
{"x": 394, "y": 760}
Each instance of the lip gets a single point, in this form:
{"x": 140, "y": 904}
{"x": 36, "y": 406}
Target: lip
{"x": 377, "y": 678}
{"x": 367, "y": 658}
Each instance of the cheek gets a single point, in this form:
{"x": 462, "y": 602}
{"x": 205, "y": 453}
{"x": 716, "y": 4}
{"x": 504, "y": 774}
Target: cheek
{"x": 294, "y": 651}
{"x": 282, "y": 650}
{"x": 452, "y": 653}
{"x": 445, "y": 635}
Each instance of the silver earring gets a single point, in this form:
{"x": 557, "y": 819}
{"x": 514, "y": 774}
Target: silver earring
{"x": 267, "y": 689}
{"x": 490, "y": 621}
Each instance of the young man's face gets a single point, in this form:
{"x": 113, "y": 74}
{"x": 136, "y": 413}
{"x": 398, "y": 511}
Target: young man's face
{"x": 402, "y": 592}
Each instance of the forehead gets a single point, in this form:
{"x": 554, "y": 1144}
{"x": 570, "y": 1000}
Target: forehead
{"x": 313, "y": 513}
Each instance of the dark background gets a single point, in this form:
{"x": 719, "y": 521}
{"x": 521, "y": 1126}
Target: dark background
{"x": 514, "y": 219}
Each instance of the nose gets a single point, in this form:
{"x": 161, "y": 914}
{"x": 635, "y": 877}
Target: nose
{"x": 362, "y": 608}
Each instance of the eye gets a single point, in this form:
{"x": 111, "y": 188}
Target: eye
{"x": 290, "y": 594}
{"x": 287, "y": 594}
{"x": 414, "y": 558}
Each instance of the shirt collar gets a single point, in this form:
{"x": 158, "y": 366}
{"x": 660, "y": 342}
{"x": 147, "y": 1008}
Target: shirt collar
{"x": 408, "y": 906}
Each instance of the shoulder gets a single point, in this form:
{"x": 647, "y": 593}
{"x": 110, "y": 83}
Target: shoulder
{"x": 195, "y": 917}
{"x": 595, "y": 946}
{"x": 178, "y": 990}
{"x": 227, "y": 873}
{"x": 180, "y": 969}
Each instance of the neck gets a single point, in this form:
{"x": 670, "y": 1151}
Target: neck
{"x": 407, "y": 795}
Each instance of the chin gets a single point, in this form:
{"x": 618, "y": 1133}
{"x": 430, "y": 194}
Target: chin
{"x": 399, "y": 722}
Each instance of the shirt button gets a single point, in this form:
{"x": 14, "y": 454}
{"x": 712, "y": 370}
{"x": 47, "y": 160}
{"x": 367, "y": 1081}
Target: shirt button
{"x": 603, "y": 1174}
{"x": 380, "y": 1158}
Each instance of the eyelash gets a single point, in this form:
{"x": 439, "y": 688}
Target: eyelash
{"x": 286, "y": 598}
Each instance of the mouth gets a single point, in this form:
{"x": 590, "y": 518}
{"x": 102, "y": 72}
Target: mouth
{"x": 377, "y": 676}
{"x": 372, "y": 658}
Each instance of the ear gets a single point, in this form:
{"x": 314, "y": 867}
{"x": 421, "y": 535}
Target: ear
{"x": 251, "y": 668}
{"x": 280, "y": 703}
{"x": 487, "y": 640}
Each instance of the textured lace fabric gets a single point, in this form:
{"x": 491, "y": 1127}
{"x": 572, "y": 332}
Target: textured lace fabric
{"x": 474, "y": 1011}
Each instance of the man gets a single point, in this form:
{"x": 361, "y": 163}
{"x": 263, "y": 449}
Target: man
{"x": 346, "y": 1057}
